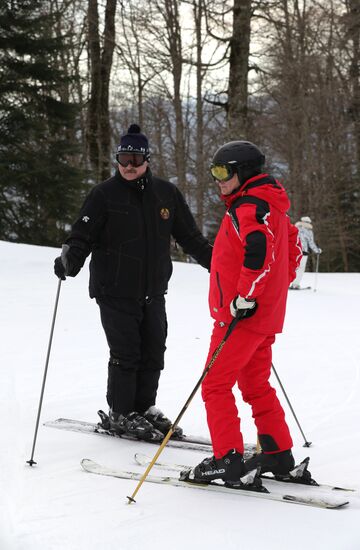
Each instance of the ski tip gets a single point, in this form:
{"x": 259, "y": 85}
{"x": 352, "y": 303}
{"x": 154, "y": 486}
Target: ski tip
{"x": 337, "y": 506}
{"x": 142, "y": 459}
{"x": 335, "y": 488}
{"x": 54, "y": 422}
{"x": 327, "y": 504}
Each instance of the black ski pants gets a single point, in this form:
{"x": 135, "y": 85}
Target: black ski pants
{"x": 136, "y": 334}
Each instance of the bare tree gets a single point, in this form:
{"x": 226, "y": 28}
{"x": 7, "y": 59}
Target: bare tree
{"x": 71, "y": 26}
{"x": 100, "y": 61}
{"x": 132, "y": 49}
{"x": 352, "y": 24}
{"x": 201, "y": 179}
{"x": 238, "y": 70}
{"x": 171, "y": 17}
{"x": 306, "y": 91}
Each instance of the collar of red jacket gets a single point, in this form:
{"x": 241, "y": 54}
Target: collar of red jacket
{"x": 263, "y": 186}
{"x": 241, "y": 191}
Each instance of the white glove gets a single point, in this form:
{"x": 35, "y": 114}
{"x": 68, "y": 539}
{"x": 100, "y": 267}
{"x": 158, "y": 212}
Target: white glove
{"x": 239, "y": 305}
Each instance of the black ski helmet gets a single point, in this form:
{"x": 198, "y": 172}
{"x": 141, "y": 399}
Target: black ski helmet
{"x": 244, "y": 156}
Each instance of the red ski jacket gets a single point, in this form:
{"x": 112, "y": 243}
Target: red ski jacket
{"x": 256, "y": 253}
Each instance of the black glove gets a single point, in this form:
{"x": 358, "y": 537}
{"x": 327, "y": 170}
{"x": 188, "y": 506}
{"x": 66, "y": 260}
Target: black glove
{"x": 59, "y": 268}
{"x": 69, "y": 263}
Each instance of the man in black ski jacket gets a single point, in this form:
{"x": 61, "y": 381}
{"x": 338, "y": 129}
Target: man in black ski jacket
{"x": 126, "y": 223}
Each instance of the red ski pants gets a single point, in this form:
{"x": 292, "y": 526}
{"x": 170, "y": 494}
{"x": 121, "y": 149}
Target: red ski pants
{"x": 244, "y": 360}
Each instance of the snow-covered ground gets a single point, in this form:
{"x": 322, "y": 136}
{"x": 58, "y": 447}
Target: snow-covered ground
{"x": 55, "y": 505}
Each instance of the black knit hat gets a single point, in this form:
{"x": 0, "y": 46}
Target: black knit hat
{"x": 134, "y": 142}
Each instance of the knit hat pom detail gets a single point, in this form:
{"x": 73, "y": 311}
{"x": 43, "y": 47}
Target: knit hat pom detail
{"x": 134, "y": 129}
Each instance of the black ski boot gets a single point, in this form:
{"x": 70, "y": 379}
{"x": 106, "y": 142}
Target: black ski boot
{"x": 277, "y": 463}
{"x": 135, "y": 425}
{"x": 230, "y": 468}
{"x": 161, "y": 422}
{"x": 282, "y": 466}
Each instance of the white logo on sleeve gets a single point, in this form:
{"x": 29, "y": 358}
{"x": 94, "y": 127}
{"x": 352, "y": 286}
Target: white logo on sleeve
{"x": 85, "y": 219}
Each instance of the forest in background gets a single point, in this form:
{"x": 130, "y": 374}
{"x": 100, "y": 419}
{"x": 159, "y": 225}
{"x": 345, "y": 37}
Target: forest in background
{"x": 74, "y": 74}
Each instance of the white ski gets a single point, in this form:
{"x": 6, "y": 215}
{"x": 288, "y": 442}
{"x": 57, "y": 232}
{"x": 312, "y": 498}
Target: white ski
{"x": 144, "y": 460}
{"x": 306, "y": 500}
{"x": 189, "y": 442}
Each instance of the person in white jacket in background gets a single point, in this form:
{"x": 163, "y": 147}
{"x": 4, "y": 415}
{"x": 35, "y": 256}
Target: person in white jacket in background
{"x": 308, "y": 245}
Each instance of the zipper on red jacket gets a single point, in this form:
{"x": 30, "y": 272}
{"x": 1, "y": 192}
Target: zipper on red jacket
{"x": 219, "y": 287}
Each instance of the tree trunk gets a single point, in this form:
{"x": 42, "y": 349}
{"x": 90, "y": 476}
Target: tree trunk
{"x": 200, "y": 161}
{"x": 95, "y": 92}
{"x": 98, "y": 125}
{"x": 106, "y": 63}
{"x": 175, "y": 48}
{"x": 239, "y": 66}
{"x": 354, "y": 33}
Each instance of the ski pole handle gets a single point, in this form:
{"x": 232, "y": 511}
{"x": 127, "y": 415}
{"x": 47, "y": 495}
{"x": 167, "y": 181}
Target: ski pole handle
{"x": 64, "y": 251}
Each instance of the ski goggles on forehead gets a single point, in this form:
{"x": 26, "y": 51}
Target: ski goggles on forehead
{"x": 135, "y": 159}
{"x": 222, "y": 172}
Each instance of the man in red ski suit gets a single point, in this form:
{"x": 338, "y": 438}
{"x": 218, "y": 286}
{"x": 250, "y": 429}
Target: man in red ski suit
{"x": 255, "y": 256}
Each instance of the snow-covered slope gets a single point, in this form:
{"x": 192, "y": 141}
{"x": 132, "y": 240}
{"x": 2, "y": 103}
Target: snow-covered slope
{"x": 55, "y": 505}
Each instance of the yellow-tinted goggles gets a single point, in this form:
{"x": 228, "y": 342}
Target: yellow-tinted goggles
{"x": 222, "y": 172}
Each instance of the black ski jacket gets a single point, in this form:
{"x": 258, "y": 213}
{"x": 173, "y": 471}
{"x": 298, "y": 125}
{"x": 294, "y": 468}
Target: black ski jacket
{"x": 127, "y": 227}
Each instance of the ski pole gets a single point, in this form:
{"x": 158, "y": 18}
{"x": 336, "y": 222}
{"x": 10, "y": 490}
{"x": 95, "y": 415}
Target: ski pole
{"x": 180, "y": 415}
{"x": 307, "y": 443}
{"x": 31, "y": 462}
{"x": 316, "y": 271}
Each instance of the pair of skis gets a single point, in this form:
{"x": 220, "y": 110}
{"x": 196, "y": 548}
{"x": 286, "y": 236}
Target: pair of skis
{"x": 321, "y": 496}
{"x": 276, "y": 491}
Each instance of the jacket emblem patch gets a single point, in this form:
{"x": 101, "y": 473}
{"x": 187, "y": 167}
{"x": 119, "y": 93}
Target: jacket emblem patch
{"x": 165, "y": 213}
